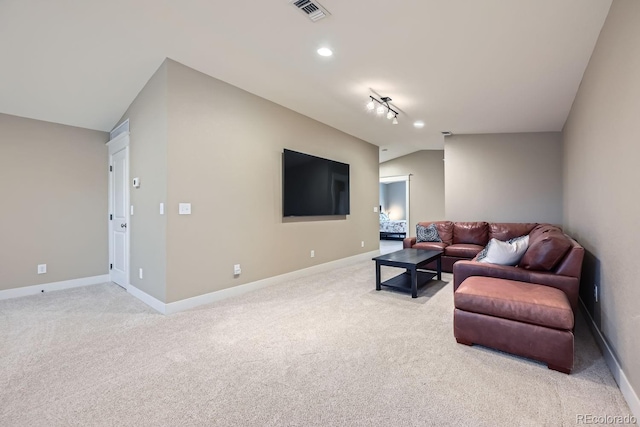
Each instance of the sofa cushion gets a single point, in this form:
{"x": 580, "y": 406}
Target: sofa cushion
{"x": 508, "y": 299}
{"x": 462, "y": 250}
{"x": 445, "y": 230}
{"x": 541, "y": 229}
{"x": 476, "y": 233}
{"x": 427, "y": 234}
{"x": 504, "y": 253}
{"x": 545, "y": 251}
{"x": 508, "y": 230}
{"x": 430, "y": 246}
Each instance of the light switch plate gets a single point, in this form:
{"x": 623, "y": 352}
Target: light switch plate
{"x": 42, "y": 268}
{"x": 184, "y": 209}
{"x": 161, "y": 208}
{"x": 375, "y": 209}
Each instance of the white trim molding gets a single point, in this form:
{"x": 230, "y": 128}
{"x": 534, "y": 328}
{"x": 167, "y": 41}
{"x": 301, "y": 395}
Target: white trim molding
{"x": 196, "y": 301}
{"x": 54, "y": 286}
{"x": 397, "y": 178}
{"x": 407, "y": 179}
{"x": 627, "y": 390}
{"x": 152, "y": 302}
{"x": 188, "y": 303}
{"x": 118, "y": 143}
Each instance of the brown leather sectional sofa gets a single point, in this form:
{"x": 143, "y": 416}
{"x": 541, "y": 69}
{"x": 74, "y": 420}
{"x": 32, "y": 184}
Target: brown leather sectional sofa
{"x": 464, "y": 240}
{"x": 526, "y": 309}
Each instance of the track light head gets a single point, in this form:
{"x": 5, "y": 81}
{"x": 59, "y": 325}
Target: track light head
{"x": 383, "y": 105}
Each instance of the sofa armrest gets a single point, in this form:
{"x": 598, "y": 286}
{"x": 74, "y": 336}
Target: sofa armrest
{"x": 567, "y": 284}
{"x": 408, "y": 242}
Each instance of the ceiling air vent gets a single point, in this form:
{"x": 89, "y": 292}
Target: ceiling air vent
{"x": 312, "y": 9}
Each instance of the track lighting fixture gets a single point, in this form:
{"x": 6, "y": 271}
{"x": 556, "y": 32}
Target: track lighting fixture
{"x": 383, "y": 105}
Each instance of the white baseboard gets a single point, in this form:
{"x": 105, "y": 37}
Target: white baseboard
{"x": 196, "y": 301}
{"x": 627, "y": 390}
{"x": 152, "y": 302}
{"x": 54, "y": 286}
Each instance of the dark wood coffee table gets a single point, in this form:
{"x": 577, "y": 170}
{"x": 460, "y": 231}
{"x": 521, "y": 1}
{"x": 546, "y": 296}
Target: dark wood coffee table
{"x": 412, "y": 260}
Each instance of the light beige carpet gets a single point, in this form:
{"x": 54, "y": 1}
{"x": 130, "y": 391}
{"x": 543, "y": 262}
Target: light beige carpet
{"x": 325, "y": 350}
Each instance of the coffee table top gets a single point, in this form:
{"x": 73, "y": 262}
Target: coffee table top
{"x": 409, "y": 256}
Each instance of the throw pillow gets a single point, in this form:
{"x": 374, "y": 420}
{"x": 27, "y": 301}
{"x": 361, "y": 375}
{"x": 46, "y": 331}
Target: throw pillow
{"x": 427, "y": 234}
{"x": 545, "y": 252}
{"x": 504, "y": 253}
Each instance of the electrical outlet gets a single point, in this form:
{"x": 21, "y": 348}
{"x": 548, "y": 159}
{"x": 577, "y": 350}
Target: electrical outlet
{"x": 313, "y": 253}
{"x": 140, "y": 275}
{"x": 42, "y": 268}
{"x": 362, "y": 244}
{"x": 595, "y": 292}
{"x": 236, "y": 269}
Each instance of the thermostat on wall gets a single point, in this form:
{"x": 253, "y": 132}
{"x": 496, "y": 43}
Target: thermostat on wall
{"x": 136, "y": 182}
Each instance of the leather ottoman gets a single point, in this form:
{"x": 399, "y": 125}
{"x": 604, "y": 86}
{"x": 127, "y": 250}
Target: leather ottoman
{"x": 525, "y": 319}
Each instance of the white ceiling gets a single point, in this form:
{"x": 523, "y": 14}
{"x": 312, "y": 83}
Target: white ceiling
{"x": 468, "y": 66}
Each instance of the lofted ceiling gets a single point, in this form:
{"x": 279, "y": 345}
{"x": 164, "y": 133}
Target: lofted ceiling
{"x": 465, "y": 66}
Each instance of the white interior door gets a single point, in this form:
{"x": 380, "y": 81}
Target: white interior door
{"x": 119, "y": 217}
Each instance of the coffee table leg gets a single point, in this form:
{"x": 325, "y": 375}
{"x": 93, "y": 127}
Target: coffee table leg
{"x": 377, "y": 276}
{"x": 439, "y": 265}
{"x": 414, "y": 283}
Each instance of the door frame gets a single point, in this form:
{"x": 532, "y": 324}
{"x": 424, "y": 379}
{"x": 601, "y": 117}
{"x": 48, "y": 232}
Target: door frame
{"x": 117, "y": 144}
{"x": 406, "y": 179}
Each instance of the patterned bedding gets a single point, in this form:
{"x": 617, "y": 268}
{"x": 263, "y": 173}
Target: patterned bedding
{"x": 390, "y": 226}
{"x": 393, "y": 226}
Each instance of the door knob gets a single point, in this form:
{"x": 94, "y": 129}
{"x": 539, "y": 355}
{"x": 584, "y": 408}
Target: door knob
{"x": 123, "y": 225}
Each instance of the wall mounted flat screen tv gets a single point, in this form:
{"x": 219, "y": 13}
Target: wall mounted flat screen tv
{"x": 313, "y": 186}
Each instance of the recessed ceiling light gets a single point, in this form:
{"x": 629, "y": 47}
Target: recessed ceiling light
{"x": 419, "y": 124}
{"x": 325, "y": 51}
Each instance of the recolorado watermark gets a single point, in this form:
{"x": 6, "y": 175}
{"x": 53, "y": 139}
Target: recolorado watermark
{"x": 605, "y": 419}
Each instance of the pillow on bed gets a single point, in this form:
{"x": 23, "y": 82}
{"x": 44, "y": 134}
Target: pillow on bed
{"x": 427, "y": 234}
{"x": 384, "y": 216}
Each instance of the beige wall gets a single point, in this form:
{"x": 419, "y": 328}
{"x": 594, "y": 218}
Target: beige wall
{"x": 53, "y": 181}
{"x": 148, "y": 161}
{"x": 601, "y": 205}
{"x": 225, "y": 158}
{"x": 426, "y": 184}
{"x": 515, "y": 177}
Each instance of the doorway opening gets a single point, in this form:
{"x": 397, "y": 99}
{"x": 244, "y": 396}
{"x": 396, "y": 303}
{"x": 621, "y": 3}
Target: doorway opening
{"x": 394, "y": 211}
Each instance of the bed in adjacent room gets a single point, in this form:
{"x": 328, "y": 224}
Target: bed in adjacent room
{"x": 392, "y": 229}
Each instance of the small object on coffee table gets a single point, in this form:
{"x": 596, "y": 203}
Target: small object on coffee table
{"x": 412, "y": 260}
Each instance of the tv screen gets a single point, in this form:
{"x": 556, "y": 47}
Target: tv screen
{"x": 313, "y": 186}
